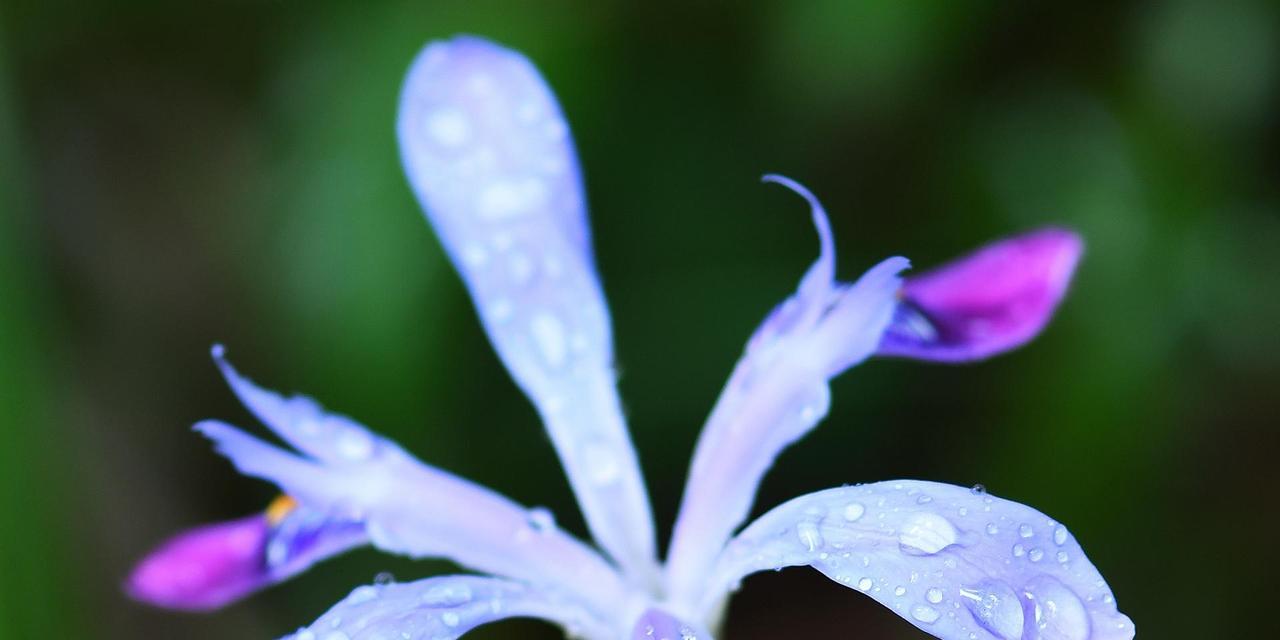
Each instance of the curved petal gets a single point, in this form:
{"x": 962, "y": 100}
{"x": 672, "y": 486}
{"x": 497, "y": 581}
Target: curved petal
{"x": 656, "y": 624}
{"x": 444, "y": 608}
{"x": 777, "y": 393}
{"x": 408, "y": 507}
{"x": 983, "y": 304}
{"x": 488, "y": 153}
{"x": 955, "y": 562}
{"x": 213, "y": 565}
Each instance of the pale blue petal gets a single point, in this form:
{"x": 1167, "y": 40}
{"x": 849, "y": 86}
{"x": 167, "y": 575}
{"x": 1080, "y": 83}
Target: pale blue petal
{"x": 778, "y": 392}
{"x": 955, "y": 562}
{"x": 411, "y": 508}
{"x": 488, "y": 153}
{"x": 444, "y": 608}
{"x": 656, "y": 624}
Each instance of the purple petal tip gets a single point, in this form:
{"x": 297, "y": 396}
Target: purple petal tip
{"x": 993, "y": 300}
{"x": 204, "y": 568}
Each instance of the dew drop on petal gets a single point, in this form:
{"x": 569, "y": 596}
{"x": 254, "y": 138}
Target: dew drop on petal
{"x": 925, "y": 613}
{"x": 995, "y": 607}
{"x": 450, "y": 619}
{"x": 865, "y": 584}
{"x": 1059, "y": 614}
{"x": 1036, "y": 554}
{"x": 853, "y": 511}
{"x": 992, "y": 529}
{"x": 933, "y": 595}
{"x": 926, "y": 534}
{"x": 1025, "y": 530}
{"x": 809, "y": 535}
{"x": 1060, "y": 535}
{"x": 541, "y": 520}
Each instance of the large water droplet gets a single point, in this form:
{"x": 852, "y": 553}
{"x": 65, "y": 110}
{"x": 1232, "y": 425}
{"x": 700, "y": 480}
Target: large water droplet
{"x": 865, "y": 584}
{"x": 541, "y": 520}
{"x": 995, "y": 607}
{"x": 853, "y": 511}
{"x": 926, "y": 534}
{"x": 445, "y": 596}
{"x": 925, "y": 613}
{"x": 809, "y": 535}
{"x": 1059, "y": 614}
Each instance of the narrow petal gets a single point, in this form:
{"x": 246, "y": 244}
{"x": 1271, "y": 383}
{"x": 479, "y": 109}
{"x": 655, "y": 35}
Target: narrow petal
{"x": 213, "y": 565}
{"x": 488, "y": 153}
{"x": 778, "y": 392}
{"x": 407, "y": 507}
{"x": 656, "y": 624}
{"x": 444, "y": 608}
{"x": 983, "y": 304}
{"x": 957, "y": 563}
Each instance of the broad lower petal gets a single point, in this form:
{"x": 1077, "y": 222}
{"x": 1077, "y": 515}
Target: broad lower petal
{"x": 489, "y": 155}
{"x": 955, "y": 562}
{"x": 983, "y": 304}
{"x": 777, "y": 393}
{"x": 444, "y": 608}
{"x": 407, "y": 507}
{"x": 213, "y": 565}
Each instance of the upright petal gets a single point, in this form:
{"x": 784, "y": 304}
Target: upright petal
{"x": 213, "y": 565}
{"x": 489, "y": 156}
{"x": 777, "y": 393}
{"x": 957, "y": 563}
{"x": 405, "y": 506}
{"x": 991, "y": 301}
{"x": 444, "y": 608}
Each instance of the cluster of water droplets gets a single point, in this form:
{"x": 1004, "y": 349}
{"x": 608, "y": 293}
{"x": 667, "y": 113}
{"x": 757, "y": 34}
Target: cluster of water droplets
{"x": 958, "y": 563}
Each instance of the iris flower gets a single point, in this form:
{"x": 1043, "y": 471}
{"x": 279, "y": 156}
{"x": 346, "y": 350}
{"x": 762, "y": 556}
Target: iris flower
{"x": 489, "y": 156}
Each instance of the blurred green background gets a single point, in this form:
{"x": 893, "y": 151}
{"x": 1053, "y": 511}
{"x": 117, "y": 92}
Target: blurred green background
{"x": 172, "y": 176}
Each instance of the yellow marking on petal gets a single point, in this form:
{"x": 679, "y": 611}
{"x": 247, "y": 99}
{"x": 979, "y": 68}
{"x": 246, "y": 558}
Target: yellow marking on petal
{"x": 279, "y": 508}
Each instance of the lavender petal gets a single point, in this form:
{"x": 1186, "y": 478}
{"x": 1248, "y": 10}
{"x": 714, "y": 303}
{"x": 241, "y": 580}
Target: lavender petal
{"x": 955, "y": 562}
{"x": 489, "y": 155}
{"x": 777, "y": 393}
{"x": 444, "y": 608}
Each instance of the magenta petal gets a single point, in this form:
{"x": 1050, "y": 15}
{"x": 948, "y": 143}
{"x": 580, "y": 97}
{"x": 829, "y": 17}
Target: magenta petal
{"x": 985, "y": 303}
{"x": 206, "y": 567}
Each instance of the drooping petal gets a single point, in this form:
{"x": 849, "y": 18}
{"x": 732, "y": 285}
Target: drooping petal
{"x": 778, "y": 392}
{"x": 656, "y": 624}
{"x": 983, "y": 304}
{"x": 955, "y": 562}
{"x": 216, "y": 564}
{"x": 408, "y": 507}
{"x": 444, "y": 608}
{"x": 488, "y": 153}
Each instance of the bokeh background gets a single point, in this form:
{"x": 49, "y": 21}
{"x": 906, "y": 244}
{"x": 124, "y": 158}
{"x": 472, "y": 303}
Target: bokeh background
{"x": 172, "y": 175}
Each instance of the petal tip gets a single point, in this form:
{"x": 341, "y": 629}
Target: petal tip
{"x": 204, "y": 568}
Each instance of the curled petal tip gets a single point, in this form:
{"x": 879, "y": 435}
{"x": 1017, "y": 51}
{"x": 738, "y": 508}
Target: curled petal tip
{"x": 991, "y": 301}
{"x": 204, "y": 568}
{"x": 217, "y": 351}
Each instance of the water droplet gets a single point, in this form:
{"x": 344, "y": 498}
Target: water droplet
{"x": 926, "y": 534}
{"x": 510, "y": 198}
{"x": 1063, "y": 558}
{"x": 925, "y": 613}
{"x": 541, "y": 519}
{"x": 1060, "y": 535}
{"x": 933, "y": 595}
{"x": 1059, "y": 612}
{"x": 1019, "y": 551}
{"x": 603, "y": 467}
{"x": 853, "y": 511}
{"x": 924, "y": 500}
{"x": 809, "y": 535}
{"x": 448, "y": 127}
{"x": 1036, "y": 554}
{"x": 362, "y": 594}
{"x": 992, "y": 529}
{"x": 865, "y": 584}
{"x": 384, "y": 578}
{"x": 450, "y": 619}
{"x": 995, "y": 607}
{"x": 446, "y": 596}
{"x": 900, "y": 591}
{"x": 977, "y": 490}
{"x": 1025, "y": 530}
{"x": 548, "y": 334}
